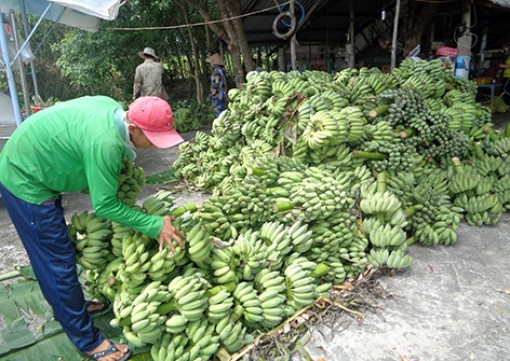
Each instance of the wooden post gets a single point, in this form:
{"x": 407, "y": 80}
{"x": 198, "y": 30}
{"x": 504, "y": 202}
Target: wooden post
{"x": 395, "y": 33}
{"x": 293, "y": 39}
{"x": 464, "y": 44}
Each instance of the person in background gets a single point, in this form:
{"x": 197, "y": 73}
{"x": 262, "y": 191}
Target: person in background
{"x": 506, "y": 73}
{"x": 218, "y": 93}
{"x": 75, "y": 145}
{"x": 149, "y": 76}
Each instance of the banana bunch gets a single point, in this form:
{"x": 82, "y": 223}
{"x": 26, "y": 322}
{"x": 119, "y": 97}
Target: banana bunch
{"x": 464, "y": 181}
{"x": 383, "y": 235}
{"x": 378, "y": 136}
{"x": 93, "y": 248}
{"x": 300, "y": 286}
{"x": 220, "y": 305}
{"x": 321, "y": 130}
{"x": 146, "y": 323}
{"x": 203, "y": 341}
{"x": 300, "y": 236}
{"x": 384, "y": 203}
{"x": 242, "y": 261}
{"x": 232, "y": 334}
{"x": 248, "y": 306}
{"x": 489, "y": 166}
{"x": 360, "y": 91}
{"x": 336, "y": 274}
{"x": 271, "y": 288}
{"x": 278, "y": 241}
{"x": 161, "y": 264}
{"x": 356, "y": 256}
{"x": 80, "y": 220}
{"x": 356, "y": 122}
{"x": 380, "y": 82}
{"x": 199, "y": 244}
{"x": 502, "y": 189}
{"x": 281, "y": 89}
{"x": 108, "y": 282}
{"x": 119, "y": 232}
{"x": 131, "y": 180}
{"x": 189, "y": 296}
{"x": 156, "y": 206}
{"x": 422, "y": 83}
{"x": 122, "y": 306}
{"x": 499, "y": 147}
{"x": 172, "y": 348}
{"x": 335, "y": 100}
{"x": 136, "y": 255}
{"x": 480, "y": 209}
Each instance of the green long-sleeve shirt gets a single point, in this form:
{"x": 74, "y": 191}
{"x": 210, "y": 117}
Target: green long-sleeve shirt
{"x": 68, "y": 147}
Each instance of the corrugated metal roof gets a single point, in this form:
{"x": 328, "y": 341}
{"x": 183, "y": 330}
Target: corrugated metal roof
{"x": 322, "y": 20}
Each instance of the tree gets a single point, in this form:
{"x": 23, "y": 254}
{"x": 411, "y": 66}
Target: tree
{"x": 416, "y": 17}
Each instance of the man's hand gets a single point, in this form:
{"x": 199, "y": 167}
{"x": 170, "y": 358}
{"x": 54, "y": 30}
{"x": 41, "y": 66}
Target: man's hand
{"x": 168, "y": 234}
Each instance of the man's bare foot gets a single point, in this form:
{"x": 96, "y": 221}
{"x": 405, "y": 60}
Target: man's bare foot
{"x": 108, "y": 356}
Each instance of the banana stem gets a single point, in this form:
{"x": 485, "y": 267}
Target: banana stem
{"x": 320, "y": 270}
{"x": 408, "y": 212}
{"x": 256, "y": 171}
{"x": 457, "y": 165}
{"x": 166, "y": 308}
{"x": 380, "y": 110}
{"x": 406, "y": 133}
{"x": 9, "y": 275}
{"x": 411, "y": 240}
{"x": 382, "y": 181}
{"x": 283, "y": 206}
{"x": 368, "y": 155}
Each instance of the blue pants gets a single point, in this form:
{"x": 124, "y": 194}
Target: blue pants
{"x": 43, "y": 231}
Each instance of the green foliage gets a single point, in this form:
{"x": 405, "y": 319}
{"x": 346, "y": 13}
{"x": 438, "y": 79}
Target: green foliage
{"x": 190, "y": 115}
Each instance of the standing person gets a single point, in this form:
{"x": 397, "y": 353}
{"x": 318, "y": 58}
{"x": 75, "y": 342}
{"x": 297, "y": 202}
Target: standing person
{"x": 149, "y": 76}
{"x": 68, "y": 147}
{"x": 218, "y": 93}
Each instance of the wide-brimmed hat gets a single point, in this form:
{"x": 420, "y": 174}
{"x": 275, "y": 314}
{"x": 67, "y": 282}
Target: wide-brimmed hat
{"x": 148, "y": 51}
{"x": 215, "y": 59}
{"x": 154, "y": 117}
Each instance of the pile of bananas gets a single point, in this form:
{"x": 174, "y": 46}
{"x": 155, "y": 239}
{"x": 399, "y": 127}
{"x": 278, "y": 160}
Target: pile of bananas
{"x": 313, "y": 178}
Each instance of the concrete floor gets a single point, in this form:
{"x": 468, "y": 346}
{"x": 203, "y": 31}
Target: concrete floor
{"x": 449, "y": 305}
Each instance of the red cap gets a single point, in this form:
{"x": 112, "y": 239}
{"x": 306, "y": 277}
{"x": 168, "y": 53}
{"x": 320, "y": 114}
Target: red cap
{"x": 154, "y": 117}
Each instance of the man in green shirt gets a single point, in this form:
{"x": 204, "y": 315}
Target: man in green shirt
{"x": 71, "y": 146}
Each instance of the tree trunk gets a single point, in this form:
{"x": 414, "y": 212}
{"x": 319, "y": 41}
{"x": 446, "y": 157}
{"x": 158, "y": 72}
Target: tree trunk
{"x": 195, "y": 59}
{"x": 234, "y": 10}
{"x": 416, "y": 16}
{"x": 233, "y": 45}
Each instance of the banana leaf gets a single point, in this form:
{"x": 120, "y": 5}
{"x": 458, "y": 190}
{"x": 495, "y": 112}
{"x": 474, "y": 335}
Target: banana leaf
{"x": 165, "y": 176}
{"x": 28, "y": 331}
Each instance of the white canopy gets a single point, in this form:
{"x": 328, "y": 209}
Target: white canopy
{"x": 83, "y": 14}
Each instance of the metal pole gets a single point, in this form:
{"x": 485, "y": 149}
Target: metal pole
{"x": 10, "y": 75}
{"x": 32, "y": 32}
{"x": 32, "y": 62}
{"x": 21, "y": 67}
{"x": 394, "y": 39}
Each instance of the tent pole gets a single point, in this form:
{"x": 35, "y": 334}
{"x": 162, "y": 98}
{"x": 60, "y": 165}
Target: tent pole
{"x": 32, "y": 62}
{"x": 10, "y": 76}
{"x": 32, "y": 32}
